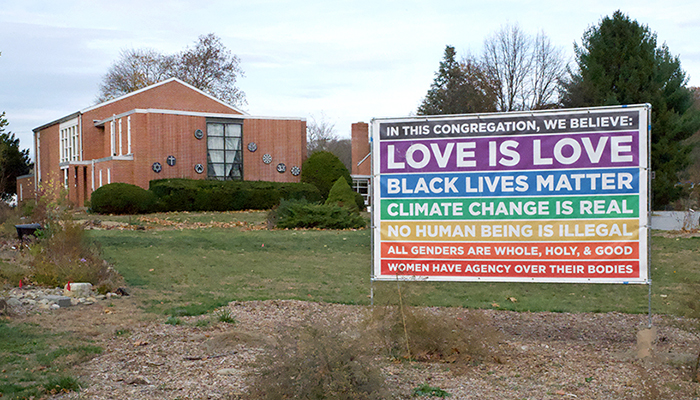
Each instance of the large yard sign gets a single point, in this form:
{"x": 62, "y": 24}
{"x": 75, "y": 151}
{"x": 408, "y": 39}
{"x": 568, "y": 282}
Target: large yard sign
{"x": 553, "y": 196}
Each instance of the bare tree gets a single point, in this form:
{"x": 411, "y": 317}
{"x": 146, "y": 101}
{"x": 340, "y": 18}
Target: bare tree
{"x": 479, "y": 87}
{"x": 135, "y": 69}
{"x": 548, "y": 67}
{"x": 211, "y": 67}
{"x": 342, "y": 148}
{"x": 208, "y": 66}
{"x": 508, "y": 61}
{"x": 320, "y": 134}
{"x": 524, "y": 70}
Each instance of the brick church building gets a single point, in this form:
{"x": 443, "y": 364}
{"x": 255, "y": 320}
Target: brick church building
{"x": 167, "y": 130}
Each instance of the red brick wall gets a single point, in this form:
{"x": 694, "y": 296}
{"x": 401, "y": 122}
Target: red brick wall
{"x": 25, "y": 189}
{"x": 96, "y": 141}
{"x": 168, "y": 96}
{"x": 169, "y": 135}
{"x": 284, "y": 140}
{"x": 155, "y": 136}
{"x": 48, "y": 153}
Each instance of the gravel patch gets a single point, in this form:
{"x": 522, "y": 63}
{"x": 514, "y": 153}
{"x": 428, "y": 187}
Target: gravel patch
{"x": 539, "y": 355}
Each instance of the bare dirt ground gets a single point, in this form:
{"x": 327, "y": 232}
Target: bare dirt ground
{"x": 538, "y": 355}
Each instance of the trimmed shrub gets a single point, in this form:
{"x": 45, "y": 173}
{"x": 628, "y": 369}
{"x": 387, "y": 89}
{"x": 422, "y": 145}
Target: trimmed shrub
{"x": 122, "y": 198}
{"x": 322, "y": 169}
{"x": 175, "y": 194}
{"x": 207, "y": 195}
{"x": 342, "y": 195}
{"x": 302, "y": 214}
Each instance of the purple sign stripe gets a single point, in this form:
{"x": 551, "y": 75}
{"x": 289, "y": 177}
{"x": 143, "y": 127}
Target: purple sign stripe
{"x": 591, "y": 150}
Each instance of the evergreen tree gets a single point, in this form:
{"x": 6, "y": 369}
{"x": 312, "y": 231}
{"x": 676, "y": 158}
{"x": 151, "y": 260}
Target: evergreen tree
{"x": 13, "y": 161}
{"x": 619, "y": 63}
{"x": 322, "y": 169}
{"x": 341, "y": 194}
{"x": 458, "y": 88}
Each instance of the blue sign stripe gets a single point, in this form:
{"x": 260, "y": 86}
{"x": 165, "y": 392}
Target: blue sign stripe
{"x": 512, "y": 183}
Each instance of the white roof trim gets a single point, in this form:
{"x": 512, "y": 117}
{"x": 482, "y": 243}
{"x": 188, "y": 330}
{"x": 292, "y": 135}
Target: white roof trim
{"x": 125, "y": 157}
{"x": 67, "y": 124}
{"x": 156, "y": 85}
{"x": 191, "y": 114}
{"x": 58, "y": 121}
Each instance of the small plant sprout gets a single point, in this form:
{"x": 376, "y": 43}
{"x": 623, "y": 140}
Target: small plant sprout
{"x": 122, "y": 332}
{"x": 225, "y": 315}
{"x": 431, "y": 391}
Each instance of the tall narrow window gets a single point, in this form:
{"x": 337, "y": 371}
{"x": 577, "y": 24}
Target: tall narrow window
{"x": 64, "y": 145}
{"x": 224, "y": 151}
{"x": 38, "y": 157}
{"x": 69, "y": 141}
{"x": 120, "y": 136}
{"x": 112, "y": 138}
{"x": 128, "y": 134}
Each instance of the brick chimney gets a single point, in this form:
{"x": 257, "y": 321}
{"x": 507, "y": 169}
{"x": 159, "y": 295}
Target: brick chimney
{"x": 360, "y": 149}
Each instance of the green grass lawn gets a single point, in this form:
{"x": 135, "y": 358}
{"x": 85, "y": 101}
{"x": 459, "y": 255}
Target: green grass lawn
{"x": 193, "y": 271}
{"x": 36, "y": 361}
{"x": 188, "y": 272}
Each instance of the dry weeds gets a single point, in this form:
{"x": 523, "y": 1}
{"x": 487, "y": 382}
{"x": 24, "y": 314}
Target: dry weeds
{"x": 538, "y": 355}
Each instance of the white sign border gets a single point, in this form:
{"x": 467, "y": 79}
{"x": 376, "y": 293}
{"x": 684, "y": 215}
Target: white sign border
{"x": 644, "y": 127}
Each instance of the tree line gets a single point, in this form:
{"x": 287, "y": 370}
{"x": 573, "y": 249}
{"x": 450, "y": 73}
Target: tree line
{"x": 618, "y": 62}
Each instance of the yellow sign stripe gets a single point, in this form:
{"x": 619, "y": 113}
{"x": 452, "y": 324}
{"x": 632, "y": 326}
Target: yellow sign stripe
{"x": 450, "y": 231}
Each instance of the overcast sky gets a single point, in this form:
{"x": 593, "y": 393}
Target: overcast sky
{"x": 344, "y": 61}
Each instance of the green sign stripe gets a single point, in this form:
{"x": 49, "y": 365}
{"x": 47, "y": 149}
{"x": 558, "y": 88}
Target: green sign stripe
{"x": 465, "y": 209}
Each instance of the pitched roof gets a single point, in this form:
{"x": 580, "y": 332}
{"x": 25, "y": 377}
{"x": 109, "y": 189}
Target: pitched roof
{"x": 93, "y": 107}
{"x": 135, "y": 92}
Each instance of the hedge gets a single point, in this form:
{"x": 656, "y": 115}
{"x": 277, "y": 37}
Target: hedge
{"x": 207, "y": 195}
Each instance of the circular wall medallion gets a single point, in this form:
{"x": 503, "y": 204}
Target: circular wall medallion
{"x": 252, "y": 147}
{"x": 295, "y": 170}
{"x": 281, "y": 168}
{"x": 267, "y": 158}
{"x": 156, "y": 167}
{"x": 170, "y": 160}
{"x": 198, "y": 134}
{"x": 199, "y": 168}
